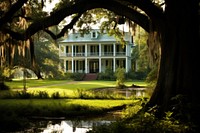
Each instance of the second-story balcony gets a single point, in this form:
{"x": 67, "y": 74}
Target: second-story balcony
{"x": 92, "y": 54}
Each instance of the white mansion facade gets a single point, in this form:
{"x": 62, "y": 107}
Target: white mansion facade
{"x": 94, "y": 52}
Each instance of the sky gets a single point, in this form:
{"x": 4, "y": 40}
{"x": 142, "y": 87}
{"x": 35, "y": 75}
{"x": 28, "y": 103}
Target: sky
{"x": 49, "y": 6}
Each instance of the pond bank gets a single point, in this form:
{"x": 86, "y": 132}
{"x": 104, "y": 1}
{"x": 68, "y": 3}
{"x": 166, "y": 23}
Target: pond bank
{"x": 17, "y": 113}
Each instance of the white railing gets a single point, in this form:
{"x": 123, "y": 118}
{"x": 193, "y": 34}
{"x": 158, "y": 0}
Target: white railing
{"x": 92, "y": 54}
{"x": 120, "y": 53}
{"x": 79, "y": 54}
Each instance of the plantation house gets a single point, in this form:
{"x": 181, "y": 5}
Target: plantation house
{"x": 94, "y": 52}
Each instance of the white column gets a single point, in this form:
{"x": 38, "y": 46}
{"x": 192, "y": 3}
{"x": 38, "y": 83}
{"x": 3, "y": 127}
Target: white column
{"x": 99, "y": 49}
{"x": 126, "y": 49}
{"x": 126, "y": 64}
{"x": 85, "y": 49}
{"x": 72, "y": 65}
{"x": 114, "y": 49}
{"x": 86, "y": 66}
{"x": 75, "y": 51}
{"x": 100, "y": 64}
{"x": 72, "y": 50}
{"x": 64, "y": 65}
{"x": 114, "y": 64}
{"x": 75, "y": 65}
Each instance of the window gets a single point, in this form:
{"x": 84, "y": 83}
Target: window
{"x": 94, "y": 35}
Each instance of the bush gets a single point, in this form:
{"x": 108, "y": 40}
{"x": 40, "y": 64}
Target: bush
{"x": 77, "y": 76}
{"x": 42, "y": 95}
{"x": 107, "y": 75}
{"x": 139, "y": 75}
{"x": 56, "y": 95}
{"x": 120, "y": 75}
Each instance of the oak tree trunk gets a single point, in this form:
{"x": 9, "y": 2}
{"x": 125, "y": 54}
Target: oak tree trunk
{"x": 179, "y": 69}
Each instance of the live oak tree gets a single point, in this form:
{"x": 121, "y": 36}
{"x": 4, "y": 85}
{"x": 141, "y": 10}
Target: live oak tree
{"x": 175, "y": 27}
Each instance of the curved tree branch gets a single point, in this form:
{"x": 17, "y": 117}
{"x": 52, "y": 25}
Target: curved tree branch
{"x": 153, "y": 11}
{"x": 79, "y": 7}
{"x": 66, "y": 28}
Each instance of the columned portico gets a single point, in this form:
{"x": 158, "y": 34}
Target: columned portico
{"x": 94, "y": 54}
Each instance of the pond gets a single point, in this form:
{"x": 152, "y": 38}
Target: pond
{"x": 127, "y": 92}
{"x": 79, "y": 125}
{"x": 76, "y": 126}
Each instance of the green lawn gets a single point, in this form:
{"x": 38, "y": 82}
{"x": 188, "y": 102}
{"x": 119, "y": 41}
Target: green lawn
{"x": 19, "y": 84}
{"x": 62, "y": 103}
{"x": 66, "y": 84}
{"x": 59, "y": 107}
{"x": 64, "y": 87}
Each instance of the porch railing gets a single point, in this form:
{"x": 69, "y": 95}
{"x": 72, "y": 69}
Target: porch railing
{"x": 92, "y": 54}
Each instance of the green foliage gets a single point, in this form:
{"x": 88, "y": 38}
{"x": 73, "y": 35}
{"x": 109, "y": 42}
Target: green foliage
{"x": 152, "y": 76}
{"x": 56, "y": 95}
{"x": 3, "y": 86}
{"x": 120, "y": 77}
{"x": 46, "y": 54}
{"x": 42, "y": 94}
{"x": 77, "y": 76}
{"x": 67, "y": 75}
{"x": 23, "y": 95}
{"x": 145, "y": 123}
{"x": 107, "y": 75}
{"x": 138, "y": 75}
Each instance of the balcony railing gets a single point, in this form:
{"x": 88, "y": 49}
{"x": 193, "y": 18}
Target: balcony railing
{"x": 120, "y": 53}
{"x": 92, "y": 54}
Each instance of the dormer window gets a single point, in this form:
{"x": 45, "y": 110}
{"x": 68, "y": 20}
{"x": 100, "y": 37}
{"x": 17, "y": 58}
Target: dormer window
{"x": 94, "y": 34}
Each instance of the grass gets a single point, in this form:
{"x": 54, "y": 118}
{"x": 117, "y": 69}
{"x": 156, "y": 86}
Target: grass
{"x": 19, "y": 83}
{"x": 58, "y": 108}
{"x": 66, "y": 84}
{"x": 16, "y": 111}
{"x": 65, "y": 88}
{"x": 14, "y": 103}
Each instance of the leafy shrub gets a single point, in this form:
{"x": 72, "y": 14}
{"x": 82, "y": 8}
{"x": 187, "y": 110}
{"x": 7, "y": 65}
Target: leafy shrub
{"x": 42, "y": 95}
{"x": 56, "y": 95}
{"x": 139, "y": 75}
{"x": 120, "y": 75}
{"x": 107, "y": 75}
{"x": 145, "y": 123}
{"x": 77, "y": 76}
{"x": 23, "y": 95}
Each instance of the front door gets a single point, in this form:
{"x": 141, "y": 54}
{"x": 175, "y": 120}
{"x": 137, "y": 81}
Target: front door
{"x": 94, "y": 66}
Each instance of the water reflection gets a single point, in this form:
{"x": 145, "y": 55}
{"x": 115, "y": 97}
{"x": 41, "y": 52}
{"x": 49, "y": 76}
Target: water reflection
{"x": 137, "y": 92}
{"x": 76, "y": 126}
{"x": 127, "y": 92}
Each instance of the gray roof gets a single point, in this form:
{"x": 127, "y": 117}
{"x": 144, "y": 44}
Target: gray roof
{"x": 101, "y": 37}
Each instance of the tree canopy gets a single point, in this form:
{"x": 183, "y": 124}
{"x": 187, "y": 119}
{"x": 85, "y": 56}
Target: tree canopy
{"x": 77, "y": 8}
